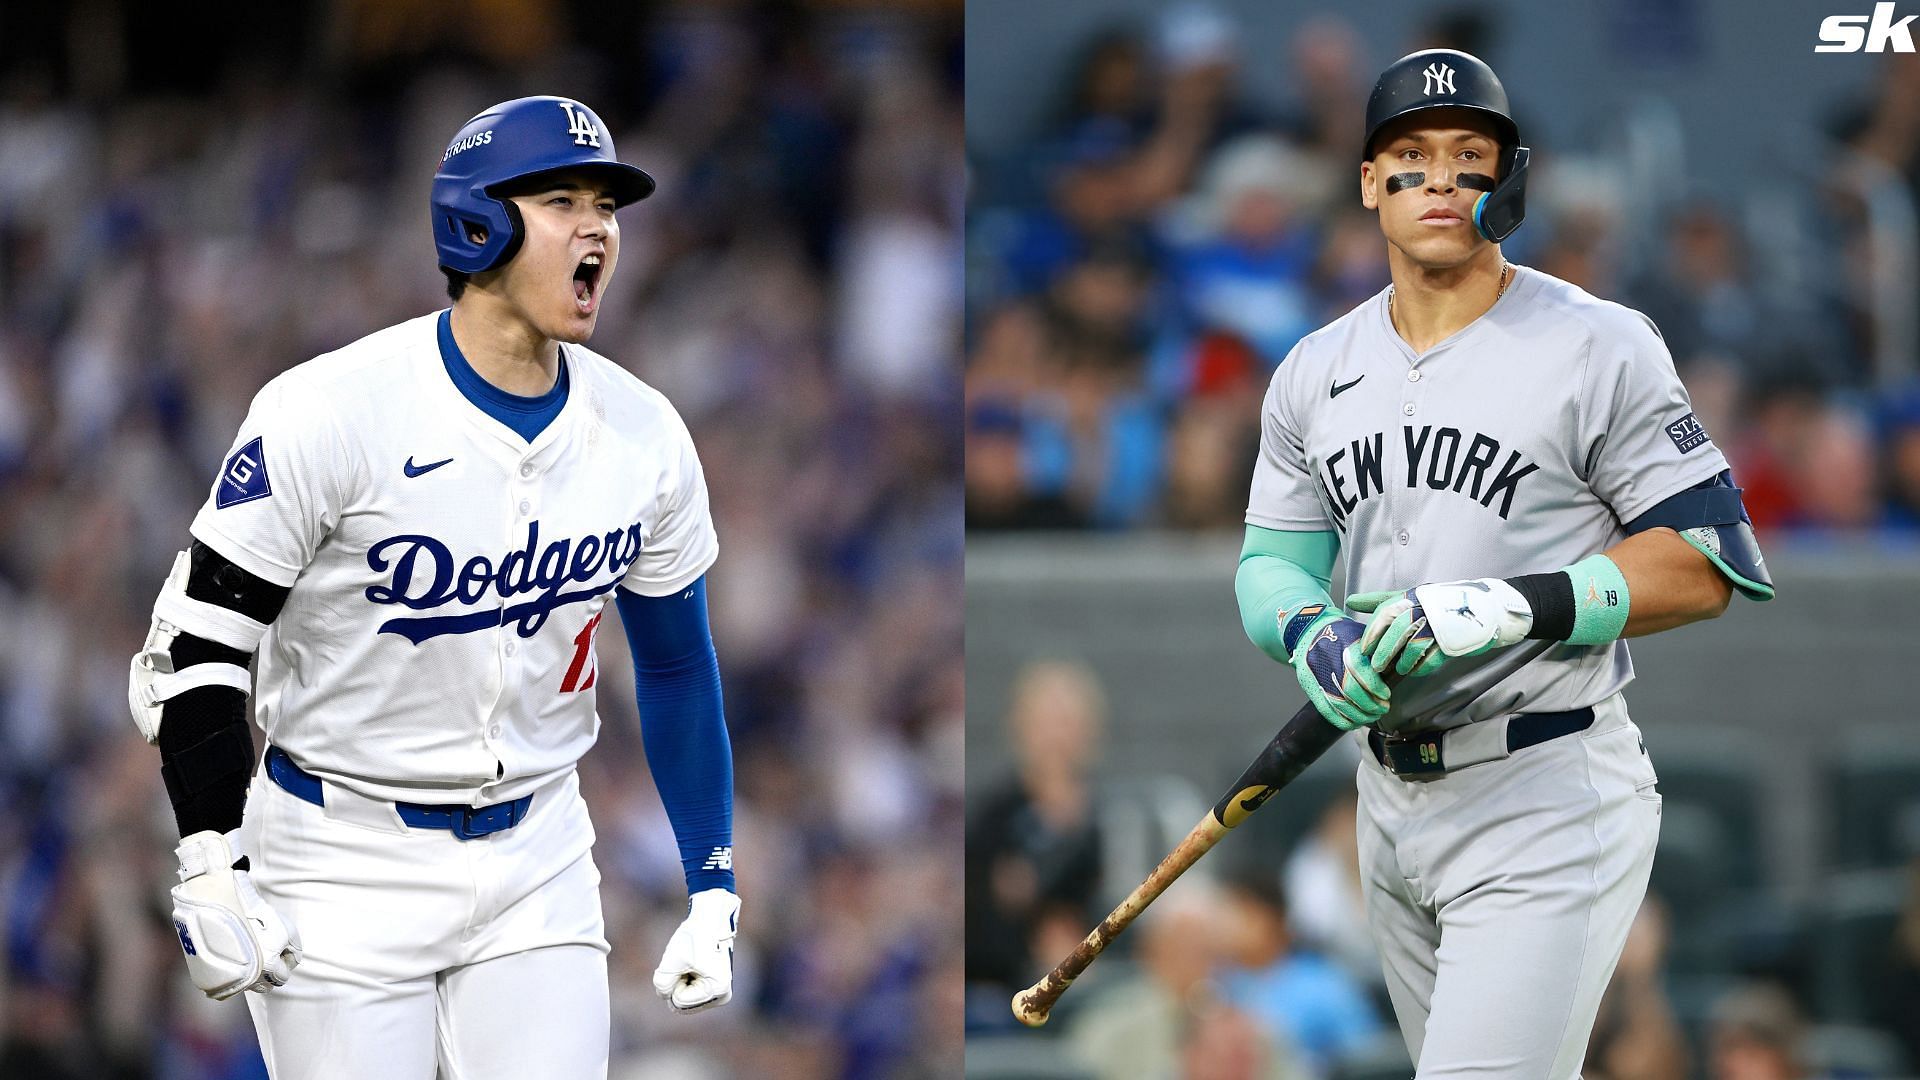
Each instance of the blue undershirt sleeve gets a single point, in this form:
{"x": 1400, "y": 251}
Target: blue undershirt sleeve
{"x": 684, "y": 727}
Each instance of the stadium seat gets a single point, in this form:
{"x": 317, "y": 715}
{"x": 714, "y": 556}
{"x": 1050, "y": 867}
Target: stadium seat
{"x": 1693, "y": 863}
{"x": 1853, "y": 938}
{"x": 1712, "y": 772}
{"x": 1021, "y": 1057}
{"x": 1862, "y": 1052}
{"x": 1873, "y": 787}
{"x": 1692, "y": 998}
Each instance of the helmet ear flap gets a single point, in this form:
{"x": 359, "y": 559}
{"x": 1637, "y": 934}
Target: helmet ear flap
{"x": 462, "y": 228}
{"x": 516, "y": 232}
{"x": 500, "y": 229}
{"x": 1499, "y": 212}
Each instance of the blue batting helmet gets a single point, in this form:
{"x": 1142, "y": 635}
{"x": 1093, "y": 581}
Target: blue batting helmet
{"x": 512, "y": 141}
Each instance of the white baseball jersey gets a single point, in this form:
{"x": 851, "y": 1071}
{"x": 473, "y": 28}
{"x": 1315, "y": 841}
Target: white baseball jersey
{"x": 1519, "y": 445}
{"x": 447, "y": 576}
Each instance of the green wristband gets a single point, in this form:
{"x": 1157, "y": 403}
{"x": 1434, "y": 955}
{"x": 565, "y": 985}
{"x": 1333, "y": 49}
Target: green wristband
{"x": 1599, "y": 601}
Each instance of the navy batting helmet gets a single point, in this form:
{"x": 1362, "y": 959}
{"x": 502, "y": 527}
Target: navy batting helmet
{"x": 1446, "y": 78}
{"x": 512, "y": 141}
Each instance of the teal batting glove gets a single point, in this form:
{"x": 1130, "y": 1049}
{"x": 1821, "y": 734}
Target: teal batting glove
{"x": 1417, "y": 631}
{"x": 1367, "y": 603}
{"x": 1332, "y": 667}
{"x": 1400, "y": 638}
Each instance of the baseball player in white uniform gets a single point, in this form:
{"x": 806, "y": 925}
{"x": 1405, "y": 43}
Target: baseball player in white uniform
{"x": 414, "y": 540}
{"x": 1519, "y": 483}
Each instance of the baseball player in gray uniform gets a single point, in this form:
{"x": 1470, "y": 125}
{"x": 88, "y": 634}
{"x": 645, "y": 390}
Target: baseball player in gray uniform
{"x": 1519, "y": 483}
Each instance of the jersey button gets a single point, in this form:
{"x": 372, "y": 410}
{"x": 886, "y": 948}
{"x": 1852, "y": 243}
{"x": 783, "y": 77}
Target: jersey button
{"x": 526, "y": 470}
{"x": 1412, "y": 376}
{"x": 1407, "y": 408}
{"x": 494, "y": 731}
{"x": 526, "y": 506}
{"x": 1403, "y": 539}
{"x": 509, "y": 648}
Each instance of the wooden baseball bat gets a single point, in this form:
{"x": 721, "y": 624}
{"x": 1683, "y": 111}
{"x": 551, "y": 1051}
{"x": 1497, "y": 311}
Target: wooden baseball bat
{"x": 1299, "y": 744}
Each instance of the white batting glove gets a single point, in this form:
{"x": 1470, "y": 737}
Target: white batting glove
{"x": 1471, "y": 617}
{"x": 232, "y": 939}
{"x": 696, "y": 971}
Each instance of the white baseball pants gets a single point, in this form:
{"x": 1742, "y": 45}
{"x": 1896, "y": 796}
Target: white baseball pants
{"x": 426, "y": 955}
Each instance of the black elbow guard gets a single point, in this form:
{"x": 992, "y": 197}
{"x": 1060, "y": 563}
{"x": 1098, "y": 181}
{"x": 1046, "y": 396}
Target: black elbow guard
{"x": 189, "y": 685}
{"x": 1710, "y": 517}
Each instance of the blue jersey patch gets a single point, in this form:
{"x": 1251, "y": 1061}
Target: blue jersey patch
{"x": 1687, "y": 433}
{"x": 243, "y": 478}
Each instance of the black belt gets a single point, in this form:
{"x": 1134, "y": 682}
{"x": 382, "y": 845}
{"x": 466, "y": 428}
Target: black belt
{"x": 1419, "y": 753}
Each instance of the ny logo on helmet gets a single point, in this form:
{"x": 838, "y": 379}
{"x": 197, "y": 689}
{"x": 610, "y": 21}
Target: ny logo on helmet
{"x": 580, "y": 125}
{"x": 1439, "y": 79}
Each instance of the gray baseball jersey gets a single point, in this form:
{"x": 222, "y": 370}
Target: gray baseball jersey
{"x": 1519, "y": 445}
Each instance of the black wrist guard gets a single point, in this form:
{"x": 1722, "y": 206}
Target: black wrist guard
{"x": 1551, "y": 598}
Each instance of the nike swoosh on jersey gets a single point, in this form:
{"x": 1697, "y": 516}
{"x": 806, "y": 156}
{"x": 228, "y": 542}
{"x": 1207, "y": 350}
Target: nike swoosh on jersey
{"x": 1341, "y": 388}
{"x": 415, "y": 470}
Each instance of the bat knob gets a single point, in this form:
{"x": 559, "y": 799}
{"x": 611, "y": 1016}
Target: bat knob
{"x": 1026, "y": 1013}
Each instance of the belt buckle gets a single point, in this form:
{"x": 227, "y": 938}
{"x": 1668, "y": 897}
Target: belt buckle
{"x": 460, "y": 822}
{"x": 1414, "y": 755}
{"x": 471, "y": 822}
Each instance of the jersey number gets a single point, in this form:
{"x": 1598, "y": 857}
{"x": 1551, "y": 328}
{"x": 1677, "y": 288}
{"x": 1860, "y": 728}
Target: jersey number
{"x": 582, "y": 659}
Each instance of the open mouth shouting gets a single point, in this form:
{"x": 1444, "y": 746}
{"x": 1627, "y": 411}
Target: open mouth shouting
{"x": 586, "y": 284}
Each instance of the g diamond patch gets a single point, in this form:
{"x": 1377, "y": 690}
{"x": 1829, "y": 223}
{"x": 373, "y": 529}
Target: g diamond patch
{"x": 243, "y": 478}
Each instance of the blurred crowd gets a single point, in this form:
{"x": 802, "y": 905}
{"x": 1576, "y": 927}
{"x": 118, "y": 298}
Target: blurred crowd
{"x": 1139, "y": 265}
{"x": 175, "y": 232}
{"x": 1258, "y": 964}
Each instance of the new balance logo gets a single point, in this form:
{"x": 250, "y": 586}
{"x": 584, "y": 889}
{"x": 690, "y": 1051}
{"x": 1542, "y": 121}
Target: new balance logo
{"x": 1876, "y": 33}
{"x": 186, "y": 939}
{"x": 721, "y": 859}
{"x": 580, "y": 125}
{"x": 1440, "y": 78}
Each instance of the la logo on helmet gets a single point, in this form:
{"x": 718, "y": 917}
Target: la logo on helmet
{"x": 579, "y": 124}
